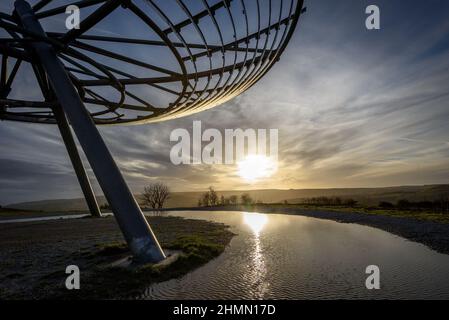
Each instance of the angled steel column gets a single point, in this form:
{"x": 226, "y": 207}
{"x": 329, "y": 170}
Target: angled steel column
{"x": 130, "y": 218}
{"x": 77, "y": 163}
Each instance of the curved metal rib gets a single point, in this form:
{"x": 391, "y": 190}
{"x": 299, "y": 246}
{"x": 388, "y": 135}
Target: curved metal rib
{"x": 208, "y": 69}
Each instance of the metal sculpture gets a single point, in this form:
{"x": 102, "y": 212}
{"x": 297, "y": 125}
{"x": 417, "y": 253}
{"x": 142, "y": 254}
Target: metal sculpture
{"x": 133, "y": 61}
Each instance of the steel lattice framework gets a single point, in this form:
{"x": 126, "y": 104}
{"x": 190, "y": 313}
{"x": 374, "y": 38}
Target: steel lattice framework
{"x": 131, "y": 61}
{"x": 204, "y": 54}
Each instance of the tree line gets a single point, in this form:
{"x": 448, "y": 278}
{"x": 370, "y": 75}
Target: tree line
{"x": 438, "y": 205}
{"x": 210, "y": 198}
{"x": 329, "y": 201}
{"x": 156, "y": 194}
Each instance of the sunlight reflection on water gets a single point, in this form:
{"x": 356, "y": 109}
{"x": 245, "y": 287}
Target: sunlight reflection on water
{"x": 294, "y": 257}
{"x": 257, "y": 222}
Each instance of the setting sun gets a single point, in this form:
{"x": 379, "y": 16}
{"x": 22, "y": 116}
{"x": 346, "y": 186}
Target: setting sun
{"x": 220, "y": 158}
{"x": 255, "y": 167}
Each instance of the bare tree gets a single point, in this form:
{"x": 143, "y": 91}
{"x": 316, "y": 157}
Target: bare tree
{"x": 205, "y": 199}
{"x": 148, "y": 197}
{"x": 233, "y": 199}
{"x": 155, "y": 195}
{"x": 213, "y": 197}
{"x": 209, "y": 198}
{"x": 246, "y": 199}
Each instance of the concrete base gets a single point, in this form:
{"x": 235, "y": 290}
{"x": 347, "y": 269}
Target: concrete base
{"x": 129, "y": 263}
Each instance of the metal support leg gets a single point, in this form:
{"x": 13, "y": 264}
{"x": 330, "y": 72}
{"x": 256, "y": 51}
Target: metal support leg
{"x": 130, "y": 218}
{"x": 83, "y": 179}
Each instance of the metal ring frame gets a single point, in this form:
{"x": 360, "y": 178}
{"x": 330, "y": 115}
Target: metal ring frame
{"x": 233, "y": 48}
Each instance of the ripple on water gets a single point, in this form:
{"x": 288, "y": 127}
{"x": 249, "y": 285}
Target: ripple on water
{"x": 294, "y": 257}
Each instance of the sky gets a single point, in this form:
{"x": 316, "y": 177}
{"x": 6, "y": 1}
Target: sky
{"x": 354, "y": 108}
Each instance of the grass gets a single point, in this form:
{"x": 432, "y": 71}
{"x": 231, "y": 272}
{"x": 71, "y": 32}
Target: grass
{"x": 94, "y": 245}
{"x": 419, "y": 215}
{"x": 408, "y": 214}
{"x": 359, "y": 209}
{"x": 11, "y": 213}
{"x": 106, "y": 282}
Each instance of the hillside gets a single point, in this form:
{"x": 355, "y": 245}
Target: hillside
{"x": 366, "y": 196}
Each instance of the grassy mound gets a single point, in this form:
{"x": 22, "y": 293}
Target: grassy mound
{"x": 119, "y": 282}
{"x": 36, "y": 269}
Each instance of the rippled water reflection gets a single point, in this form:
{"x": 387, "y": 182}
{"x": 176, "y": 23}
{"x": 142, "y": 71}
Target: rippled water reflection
{"x": 294, "y": 257}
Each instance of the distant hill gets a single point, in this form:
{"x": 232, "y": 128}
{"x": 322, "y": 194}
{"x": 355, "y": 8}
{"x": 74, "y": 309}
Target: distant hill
{"x": 367, "y": 196}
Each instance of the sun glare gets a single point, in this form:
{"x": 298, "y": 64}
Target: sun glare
{"x": 255, "y": 167}
{"x": 255, "y": 221}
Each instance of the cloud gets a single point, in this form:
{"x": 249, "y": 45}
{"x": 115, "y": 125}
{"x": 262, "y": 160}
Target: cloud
{"x": 353, "y": 108}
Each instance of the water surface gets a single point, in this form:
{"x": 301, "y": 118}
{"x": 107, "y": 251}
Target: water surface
{"x": 295, "y": 257}
{"x": 279, "y": 256}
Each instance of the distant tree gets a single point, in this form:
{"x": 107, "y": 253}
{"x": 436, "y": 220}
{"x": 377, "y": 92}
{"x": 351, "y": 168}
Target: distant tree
{"x": 246, "y": 199}
{"x": 222, "y": 200}
{"x": 386, "y": 205}
{"x": 424, "y": 204}
{"x": 350, "y": 202}
{"x": 210, "y": 198}
{"x": 155, "y": 195}
{"x": 213, "y": 197}
{"x": 403, "y": 204}
{"x": 148, "y": 197}
{"x": 226, "y": 201}
{"x": 233, "y": 200}
{"x": 337, "y": 201}
{"x": 205, "y": 199}
{"x": 444, "y": 203}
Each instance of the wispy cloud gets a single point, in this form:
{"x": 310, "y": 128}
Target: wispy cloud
{"x": 353, "y": 108}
